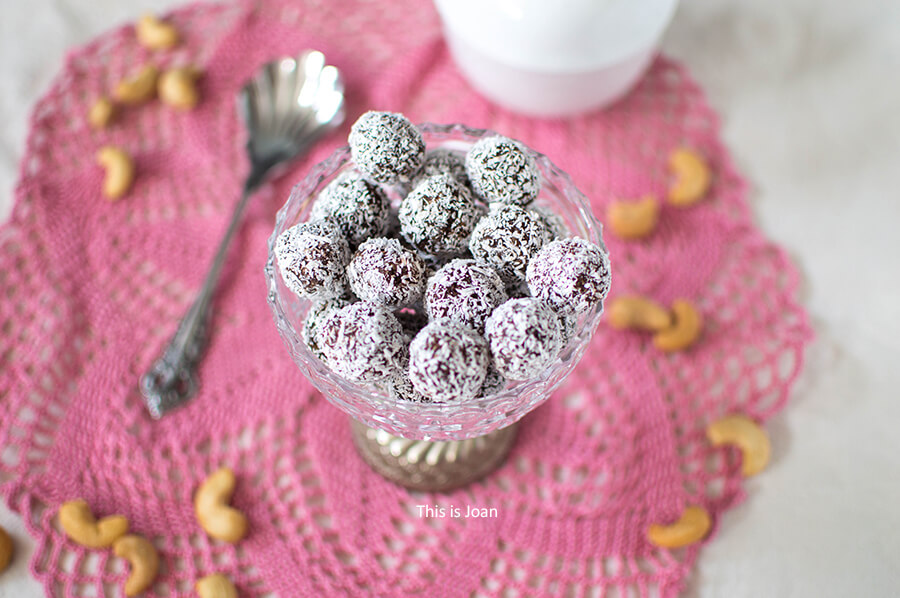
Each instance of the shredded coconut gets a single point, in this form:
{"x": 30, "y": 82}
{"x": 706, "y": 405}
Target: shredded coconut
{"x": 312, "y": 257}
{"x": 524, "y": 337}
{"x": 501, "y": 169}
{"x": 386, "y": 147}
{"x": 363, "y": 342}
{"x": 383, "y": 272}
{"x": 464, "y": 291}
{"x": 507, "y": 238}
{"x": 361, "y": 209}
{"x": 448, "y": 361}
{"x": 570, "y": 274}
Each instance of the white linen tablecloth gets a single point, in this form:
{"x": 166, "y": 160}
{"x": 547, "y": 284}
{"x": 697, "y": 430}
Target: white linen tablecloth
{"x": 809, "y": 95}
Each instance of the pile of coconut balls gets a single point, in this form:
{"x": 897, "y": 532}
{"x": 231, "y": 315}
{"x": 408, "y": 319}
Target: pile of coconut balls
{"x": 465, "y": 287}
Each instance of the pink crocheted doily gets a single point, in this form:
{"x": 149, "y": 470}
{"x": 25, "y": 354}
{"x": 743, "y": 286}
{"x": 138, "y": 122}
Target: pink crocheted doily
{"x": 90, "y": 290}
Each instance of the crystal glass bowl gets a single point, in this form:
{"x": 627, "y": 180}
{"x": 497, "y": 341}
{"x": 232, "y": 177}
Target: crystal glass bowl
{"x": 372, "y": 405}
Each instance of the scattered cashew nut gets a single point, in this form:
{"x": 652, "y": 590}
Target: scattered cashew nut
{"x": 155, "y": 34}
{"x": 692, "y": 526}
{"x": 6, "y": 549}
{"x": 638, "y": 312}
{"x": 144, "y": 560}
{"x": 633, "y": 219}
{"x": 216, "y": 517}
{"x": 101, "y": 113}
{"x": 687, "y": 324}
{"x": 178, "y": 87}
{"x": 692, "y": 177}
{"x": 119, "y": 171}
{"x": 138, "y": 89}
{"x": 216, "y": 586}
{"x": 747, "y": 435}
{"x": 78, "y": 522}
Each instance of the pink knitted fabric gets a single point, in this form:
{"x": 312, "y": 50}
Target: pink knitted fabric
{"x": 90, "y": 290}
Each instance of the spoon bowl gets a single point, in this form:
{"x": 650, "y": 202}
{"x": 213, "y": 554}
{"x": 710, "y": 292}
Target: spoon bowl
{"x": 288, "y": 105}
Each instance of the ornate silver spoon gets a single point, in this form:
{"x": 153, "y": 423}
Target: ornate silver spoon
{"x": 286, "y": 107}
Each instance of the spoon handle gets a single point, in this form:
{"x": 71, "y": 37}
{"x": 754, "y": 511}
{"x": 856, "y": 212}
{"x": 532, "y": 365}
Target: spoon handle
{"x": 172, "y": 379}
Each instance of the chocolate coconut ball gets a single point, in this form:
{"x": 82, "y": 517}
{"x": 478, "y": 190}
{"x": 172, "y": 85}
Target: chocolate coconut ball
{"x": 386, "y": 147}
{"x": 363, "y": 342}
{"x": 572, "y": 275}
{"x": 444, "y": 161}
{"x": 507, "y": 238}
{"x": 448, "y": 361}
{"x": 312, "y": 257}
{"x": 438, "y": 215}
{"x": 501, "y": 169}
{"x": 464, "y": 291}
{"x": 384, "y": 273}
{"x": 524, "y": 338}
{"x": 318, "y": 312}
{"x": 556, "y": 226}
{"x": 360, "y": 208}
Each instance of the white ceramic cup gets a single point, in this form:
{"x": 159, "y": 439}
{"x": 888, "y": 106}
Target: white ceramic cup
{"x": 554, "y": 57}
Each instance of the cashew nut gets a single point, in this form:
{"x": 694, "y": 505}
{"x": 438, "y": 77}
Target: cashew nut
{"x": 178, "y": 87}
{"x": 79, "y": 523}
{"x": 155, "y": 34}
{"x": 638, "y": 312}
{"x": 216, "y": 586}
{"x": 119, "y": 171}
{"x": 144, "y": 560}
{"x": 101, "y": 113}
{"x": 692, "y": 526}
{"x": 686, "y": 327}
{"x": 692, "y": 177}
{"x": 633, "y": 219}
{"x": 6, "y": 549}
{"x": 747, "y": 435}
{"x": 138, "y": 89}
{"x": 216, "y": 517}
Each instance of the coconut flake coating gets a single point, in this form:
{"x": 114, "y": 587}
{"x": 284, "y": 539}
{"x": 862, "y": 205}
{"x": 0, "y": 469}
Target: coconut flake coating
{"x": 444, "y": 161}
{"x": 464, "y": 291}
{"x": 572, "y": 275}
{"x": 312, "y": 257}
{"x": 507, "y": 238}
{"x": 438, "y": 215}
{"x": 386, "y": 147}
{"x": 448, "y": 361}
{"x": 384, "y": 273}
{"x": 361, "y": 209}
{"x": 524, "y": 337}
{"x": 363, "y": 342}
{"x": 555, "y": 224}
{"x": 501, "y": 169}
{"x": 317, "y": 314}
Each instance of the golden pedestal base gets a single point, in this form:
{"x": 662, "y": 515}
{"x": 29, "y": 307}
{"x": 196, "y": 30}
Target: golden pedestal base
{"x": 432, "y": 466}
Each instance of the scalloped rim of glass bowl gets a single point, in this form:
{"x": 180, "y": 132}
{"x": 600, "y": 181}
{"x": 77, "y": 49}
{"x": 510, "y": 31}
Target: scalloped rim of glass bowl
{"x": 429, "y": 421}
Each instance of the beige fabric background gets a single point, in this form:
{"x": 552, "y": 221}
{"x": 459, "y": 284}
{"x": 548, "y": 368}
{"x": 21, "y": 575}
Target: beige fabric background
{"x": 809, "y": 94}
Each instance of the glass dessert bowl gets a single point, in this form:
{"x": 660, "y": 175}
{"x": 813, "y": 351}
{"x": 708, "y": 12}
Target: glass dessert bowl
{"x": 435, "y": 445}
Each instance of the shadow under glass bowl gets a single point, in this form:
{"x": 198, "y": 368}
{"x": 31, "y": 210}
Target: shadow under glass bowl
{"x": 373, "y": 406}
